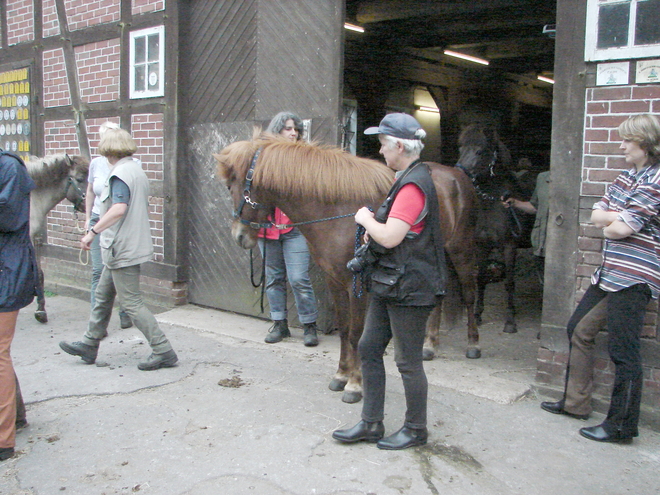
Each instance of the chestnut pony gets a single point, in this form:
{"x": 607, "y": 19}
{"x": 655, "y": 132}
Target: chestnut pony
{"x": 310, "y": 183}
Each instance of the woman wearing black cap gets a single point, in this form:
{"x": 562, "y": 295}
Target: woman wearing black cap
{"x": 405, "y": 284}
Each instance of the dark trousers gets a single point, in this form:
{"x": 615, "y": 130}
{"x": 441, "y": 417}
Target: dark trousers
{"x": 407, "y": 326}
{"x": 622, "y": 313}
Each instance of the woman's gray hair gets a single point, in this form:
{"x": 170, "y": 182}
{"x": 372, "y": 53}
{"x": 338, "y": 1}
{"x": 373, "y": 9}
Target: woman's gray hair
{"x": 279, "y": 122}
{"x": 644, "y": 130}
{"x": 411, "y": 147}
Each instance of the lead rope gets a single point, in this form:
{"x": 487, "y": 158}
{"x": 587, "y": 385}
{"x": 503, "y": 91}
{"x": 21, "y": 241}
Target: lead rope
{"x": 263, "y": 275}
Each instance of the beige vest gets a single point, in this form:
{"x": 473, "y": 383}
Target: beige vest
{"x": 128, "y": 242}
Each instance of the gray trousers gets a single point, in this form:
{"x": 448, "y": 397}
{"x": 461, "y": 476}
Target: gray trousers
{"x": 125, "y": 284}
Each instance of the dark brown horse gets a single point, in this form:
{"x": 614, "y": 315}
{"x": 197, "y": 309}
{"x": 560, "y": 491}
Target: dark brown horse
{"x": 500, "y": 231}
{"x": 57, "y": 177}
{"x": 310, "y": 183}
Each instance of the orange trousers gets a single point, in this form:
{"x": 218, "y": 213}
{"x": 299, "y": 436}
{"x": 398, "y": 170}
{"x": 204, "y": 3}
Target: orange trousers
{"x": 7, "y": 381}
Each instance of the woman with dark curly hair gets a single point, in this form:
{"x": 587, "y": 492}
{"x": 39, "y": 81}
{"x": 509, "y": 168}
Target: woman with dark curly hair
{"x": 287, "y": 257}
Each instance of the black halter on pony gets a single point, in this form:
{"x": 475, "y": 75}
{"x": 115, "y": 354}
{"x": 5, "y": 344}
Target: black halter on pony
{"x": 516, "y": 225}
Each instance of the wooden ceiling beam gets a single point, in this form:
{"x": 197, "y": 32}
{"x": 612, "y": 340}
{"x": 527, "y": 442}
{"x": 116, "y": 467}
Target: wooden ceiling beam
{"x": 370, "y": 11}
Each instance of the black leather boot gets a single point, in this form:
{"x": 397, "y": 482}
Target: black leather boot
{"x": 404, "y": 438}
{"x": 558, "y": 408}
{"x": 363, "y": 431}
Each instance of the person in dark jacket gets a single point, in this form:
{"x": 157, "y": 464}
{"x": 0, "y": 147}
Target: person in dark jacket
{"x": 406, "y": 281}
{"x": 18, "y": 282}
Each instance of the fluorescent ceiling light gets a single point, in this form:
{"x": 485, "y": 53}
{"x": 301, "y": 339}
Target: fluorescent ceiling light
{"x": 429, "y": 109}
{"x": 466, "y": 57}
{"x": 353, "y": 27}
{"x": 545, "y": 79}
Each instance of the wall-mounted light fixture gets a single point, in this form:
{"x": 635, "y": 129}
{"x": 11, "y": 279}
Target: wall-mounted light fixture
{"x": 428, "y": 109}
{"x": 463, "y": 56}
{"x": 545, "y": 79}
{"x": 353, "y": 27}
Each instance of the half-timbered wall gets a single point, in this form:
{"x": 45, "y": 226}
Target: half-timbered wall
{"x": 77, "y": 53}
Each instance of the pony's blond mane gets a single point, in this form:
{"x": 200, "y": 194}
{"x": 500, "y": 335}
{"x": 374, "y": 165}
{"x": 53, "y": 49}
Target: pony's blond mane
{"x": 303, "y": 170}
{"x": 52, "y": 168}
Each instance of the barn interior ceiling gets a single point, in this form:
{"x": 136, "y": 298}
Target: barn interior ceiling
{"x": 508, "y": 33}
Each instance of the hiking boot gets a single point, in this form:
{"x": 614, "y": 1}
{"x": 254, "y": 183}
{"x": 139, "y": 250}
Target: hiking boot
{"x": 125, "y": 320}
{"x": 156, "y": 361}
{"x": 277, "y": 332}
{"x": 86, "y": 352}
{"x": 310, "y": 339}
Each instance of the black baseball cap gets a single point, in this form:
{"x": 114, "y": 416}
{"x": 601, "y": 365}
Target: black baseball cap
{"x": 399, "y": 125}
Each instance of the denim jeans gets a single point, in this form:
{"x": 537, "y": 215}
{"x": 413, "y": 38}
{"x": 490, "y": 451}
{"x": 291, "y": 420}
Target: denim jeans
{"x": 97, "y": 262}
{"x": 407, "y": 326}
{"x": 288, "y": 258}
{"x": 125, "y": 284}
{"x": 622, "y": 313}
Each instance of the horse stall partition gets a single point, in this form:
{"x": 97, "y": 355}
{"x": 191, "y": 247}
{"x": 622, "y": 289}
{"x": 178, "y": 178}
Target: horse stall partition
{"x": 219, "y": 268}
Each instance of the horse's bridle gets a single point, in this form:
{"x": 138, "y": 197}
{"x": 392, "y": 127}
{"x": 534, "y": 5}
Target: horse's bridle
{"x": 247, "y": 186}
{"x": 78, "y": 203}
{"x": 516, "y": 229}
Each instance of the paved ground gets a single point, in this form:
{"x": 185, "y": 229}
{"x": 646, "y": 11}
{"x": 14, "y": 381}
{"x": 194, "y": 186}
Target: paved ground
{"x": 238, "y": 416}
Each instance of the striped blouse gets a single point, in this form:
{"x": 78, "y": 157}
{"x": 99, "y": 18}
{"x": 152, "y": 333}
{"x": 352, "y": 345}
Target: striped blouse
{"x": 636, "y": 258}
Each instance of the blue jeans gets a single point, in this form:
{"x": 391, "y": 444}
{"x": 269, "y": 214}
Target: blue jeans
{"x": 407, "y": 326}
{"x": 288, "y": 257}
{"x": 97, "y": 263}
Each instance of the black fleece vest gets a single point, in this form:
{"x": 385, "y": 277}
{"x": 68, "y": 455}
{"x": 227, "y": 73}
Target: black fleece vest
{"x": 419, "y": 258}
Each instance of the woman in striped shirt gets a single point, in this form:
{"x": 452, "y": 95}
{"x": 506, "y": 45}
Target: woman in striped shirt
{"x": 621, "y": 287}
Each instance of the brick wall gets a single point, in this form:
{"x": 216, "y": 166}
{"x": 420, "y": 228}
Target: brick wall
{"x": 147, "y": 130}
{"x": 56, "y": 89}
{"x": 606, "y": 108}
{"x": 63, "y": 229}
{"x": 98, "y": 66}
{"x": 51, "y": 25}
{"x": 142, "y": 6}
{"x": 81, "y": 15}
{"x": 20, "y": 21}
{"x": 98, "y": 71}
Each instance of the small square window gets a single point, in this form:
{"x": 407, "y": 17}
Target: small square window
{"x": 622, "y": 29}
{"x": 147, "y": 63}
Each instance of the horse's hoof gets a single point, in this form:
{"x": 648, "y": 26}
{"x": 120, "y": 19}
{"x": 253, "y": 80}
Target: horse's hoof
{"x": 509, "y": 328}
{"x": 473, "y": 353}
{"x": 337, "y": 385}
{"x": 428, "y": 354}
{"x": 351, "y": 397}
{"x": 41, "y": 316}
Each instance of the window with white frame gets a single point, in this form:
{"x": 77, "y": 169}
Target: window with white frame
{"x": 147, "y": 63}
{"x": 620, "y": 29}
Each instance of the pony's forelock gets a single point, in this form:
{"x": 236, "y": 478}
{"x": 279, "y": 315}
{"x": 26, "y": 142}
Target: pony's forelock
{"x": 53, "y": 168}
